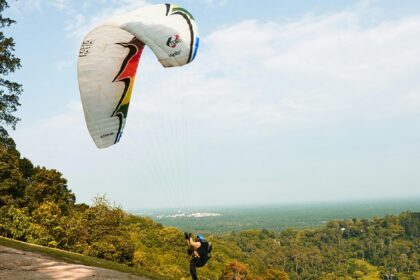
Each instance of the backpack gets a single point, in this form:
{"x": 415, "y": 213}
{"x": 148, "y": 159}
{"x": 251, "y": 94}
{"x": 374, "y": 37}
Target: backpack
{"x": 205, "y": 253}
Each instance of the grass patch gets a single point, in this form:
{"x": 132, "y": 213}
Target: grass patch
{"x": 76, "y": 258}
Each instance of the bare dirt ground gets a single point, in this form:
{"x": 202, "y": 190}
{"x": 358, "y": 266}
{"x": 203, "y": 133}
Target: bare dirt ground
{"x": 22, "y": 265}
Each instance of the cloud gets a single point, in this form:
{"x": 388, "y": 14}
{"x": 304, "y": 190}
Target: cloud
{"x": 315, "y": 68}
{"x": 41, "y": 4}
{"x": 81, "y": 17}
{"x": 216, "y": 2}
{"x": 85, "y": 20}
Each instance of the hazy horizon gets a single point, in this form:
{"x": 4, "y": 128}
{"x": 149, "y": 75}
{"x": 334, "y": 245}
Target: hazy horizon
{"x": 414, "y": 204}
{"x": 275, "y": 217}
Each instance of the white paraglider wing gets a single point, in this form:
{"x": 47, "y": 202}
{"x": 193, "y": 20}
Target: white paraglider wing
{"x": 109, "y": 57}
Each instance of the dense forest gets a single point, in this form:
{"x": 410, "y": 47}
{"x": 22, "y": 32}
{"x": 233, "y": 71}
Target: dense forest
{"x": 276, "y": 217}
{"x": 36, "y": 206}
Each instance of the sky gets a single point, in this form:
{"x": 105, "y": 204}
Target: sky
{"x": 286, "y": 101}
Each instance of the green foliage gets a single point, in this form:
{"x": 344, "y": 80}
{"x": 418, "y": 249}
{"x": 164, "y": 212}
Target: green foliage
{"x": 14, "y": 223}
{"x": 9, "y": 63}
{"x": 235, "y": 271}
{"x": 47, "y": 185}
{"x": 5, "y": 141}
{"x": 12, "y": 182}
{"x": 411, "y": 223}
{"x": 47, "y": 220}
{"x": 113, "y": 248}
{"x": 101, "y": 219}
{"x": 275, "y": 274}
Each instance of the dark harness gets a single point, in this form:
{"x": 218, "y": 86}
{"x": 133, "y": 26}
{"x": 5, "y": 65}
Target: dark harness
{"x": 204, "y": 251}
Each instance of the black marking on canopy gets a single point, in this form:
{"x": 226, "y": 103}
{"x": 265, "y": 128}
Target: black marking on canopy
{"x": 168, "y": 8}
{"x": 191, "y": 32}
{"x": 133, "y": 48}
{"x": 120, "y": 118}
{"x": 121, "y": 114}
{"x": 126, "y": 86}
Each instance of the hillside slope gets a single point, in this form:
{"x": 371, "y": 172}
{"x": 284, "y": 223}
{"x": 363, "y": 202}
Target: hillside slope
{"x": 20, "y": 260}
{"x": 18, "y": 265}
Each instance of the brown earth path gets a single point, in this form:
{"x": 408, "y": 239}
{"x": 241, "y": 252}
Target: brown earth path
{"x": 23, "y": 265}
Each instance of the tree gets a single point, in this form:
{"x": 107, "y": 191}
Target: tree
{"x": 47, "y": 216}
{"x": 9, "y": 63}
{"x": 102, "y": 219}
{"x": 235, "y": 271}
{"x": 275, "y": 274}
{"x": 15, "y": 223}
{"x": 12, "y": 183}
{"x": 48, "y": 185}
{"x": 5, "y": 140}
{"x": 112, "y": 247}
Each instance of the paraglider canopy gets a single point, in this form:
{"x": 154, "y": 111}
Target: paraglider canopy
{"x": 109, "y": 57}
